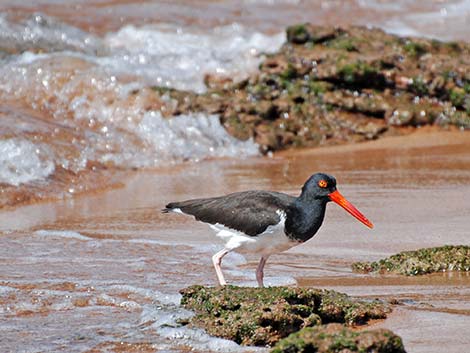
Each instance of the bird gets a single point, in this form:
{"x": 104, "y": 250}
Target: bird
{"x": 266, "y": 222}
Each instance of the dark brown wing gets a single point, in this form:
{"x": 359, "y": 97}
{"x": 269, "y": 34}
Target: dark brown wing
{"x": 250, "y": 212}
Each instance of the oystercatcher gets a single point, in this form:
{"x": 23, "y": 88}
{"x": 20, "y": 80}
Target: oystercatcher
{"x": 266, "y": 222}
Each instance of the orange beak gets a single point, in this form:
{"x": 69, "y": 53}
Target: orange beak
{"x": 336, "y": 197}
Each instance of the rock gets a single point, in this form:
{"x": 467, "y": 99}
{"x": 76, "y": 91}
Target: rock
{"x": 338, "y": 338}
{"x": 217, "y": 81}
{"x": 266, "y": 137}
{"x": 422, "y": 261}
{"x": 303, "y": 33}
{"x": 262, "y": 316}
{"x": 330, "y": 85}
{"x": 371, "y": 130}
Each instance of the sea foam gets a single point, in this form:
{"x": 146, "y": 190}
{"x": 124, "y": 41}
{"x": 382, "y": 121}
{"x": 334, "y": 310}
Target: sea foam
{"x": 180, "y": 57}
{"x": 21, "y": 162}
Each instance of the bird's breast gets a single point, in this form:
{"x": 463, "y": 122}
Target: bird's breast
{"x": 273, "y": 240}
{"x": 302, "y": 223}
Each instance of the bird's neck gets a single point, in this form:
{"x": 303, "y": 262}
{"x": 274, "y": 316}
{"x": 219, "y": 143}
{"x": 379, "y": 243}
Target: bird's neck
{"x": 304, "y": 217}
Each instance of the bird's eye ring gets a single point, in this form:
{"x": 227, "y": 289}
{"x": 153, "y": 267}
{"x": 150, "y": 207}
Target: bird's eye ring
{"x": 322, "y": 183}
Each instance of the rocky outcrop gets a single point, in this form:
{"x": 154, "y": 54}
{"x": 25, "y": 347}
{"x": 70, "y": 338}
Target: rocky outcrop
{"x": 420, "y": 262}
{"x": 338, "y": 338}
{"x": 331, "y": 85}
{"x": 263, "y": 316}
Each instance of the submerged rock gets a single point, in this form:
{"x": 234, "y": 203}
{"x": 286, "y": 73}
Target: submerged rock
{"x": 420, "y": 262}
{"x": 330, "y": 85}
{"x": 338, "y": 338}
{"x": 263, "y": 316}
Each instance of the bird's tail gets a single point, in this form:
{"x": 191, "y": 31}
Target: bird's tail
{"x": 169, "y": 208}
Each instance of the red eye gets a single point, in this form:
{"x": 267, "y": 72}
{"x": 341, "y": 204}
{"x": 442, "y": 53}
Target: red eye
{"x": 322, "y": 184}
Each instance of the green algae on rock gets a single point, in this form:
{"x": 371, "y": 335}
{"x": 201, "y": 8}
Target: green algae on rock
{"x": 262, "y": 316}
{"x": 330, "y": 85}
{"x": 338, "y": 338}
{"x": 420, "y": 262}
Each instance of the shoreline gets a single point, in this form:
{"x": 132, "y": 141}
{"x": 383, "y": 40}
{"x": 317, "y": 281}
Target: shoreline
{"x": 420, "y": 138}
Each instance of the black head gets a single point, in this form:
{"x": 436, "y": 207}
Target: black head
{"x": 322, "y": 187}
{"x": 318, "y": 186}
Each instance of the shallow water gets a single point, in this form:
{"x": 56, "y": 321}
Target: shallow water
{"x": 111, "y": 265}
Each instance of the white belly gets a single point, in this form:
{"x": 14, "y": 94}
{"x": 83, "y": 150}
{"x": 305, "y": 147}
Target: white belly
{"x": 272, "y": 240}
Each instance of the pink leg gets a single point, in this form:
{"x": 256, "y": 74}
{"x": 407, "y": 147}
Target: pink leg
{"x": 217, "y": 260}
{"x": 259, "y": 270}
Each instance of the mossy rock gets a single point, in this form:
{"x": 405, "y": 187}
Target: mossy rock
{"x": 414, "y": 48}
{"x": 328, "y": 85}
{"x": 420, "y": 262}
{"x": 338, "y": 338}
{"x": 298, "y": 34}
{"x": 360, "y": 73}
{"x": 308, "y": 33}
{"x": 262, "y": 316}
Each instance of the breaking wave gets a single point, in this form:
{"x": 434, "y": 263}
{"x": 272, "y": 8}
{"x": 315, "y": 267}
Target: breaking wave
{"x": 78, "y": 102}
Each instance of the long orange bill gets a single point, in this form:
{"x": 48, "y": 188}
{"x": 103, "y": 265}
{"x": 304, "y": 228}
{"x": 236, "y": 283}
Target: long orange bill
{"x": 335, "y": 196}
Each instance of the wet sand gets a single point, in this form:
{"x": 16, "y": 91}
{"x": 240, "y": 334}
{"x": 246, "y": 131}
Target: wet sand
{"x": 103, "y": 271}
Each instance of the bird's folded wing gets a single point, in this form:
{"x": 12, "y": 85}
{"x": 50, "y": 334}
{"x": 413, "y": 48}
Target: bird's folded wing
{"x": 250, "y": 212}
